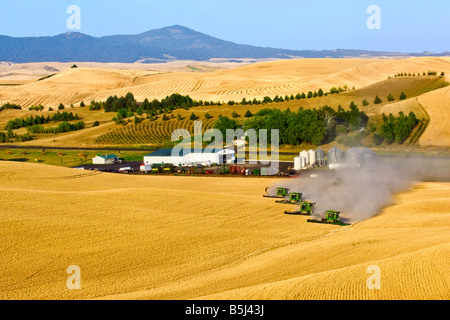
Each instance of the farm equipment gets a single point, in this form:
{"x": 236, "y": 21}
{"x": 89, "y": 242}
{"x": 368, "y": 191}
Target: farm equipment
{"x": 293, "y": 198}
{"x": 331, "y": 217}
{"x": 305, "y": 208}
{"x": 279, "y": 193}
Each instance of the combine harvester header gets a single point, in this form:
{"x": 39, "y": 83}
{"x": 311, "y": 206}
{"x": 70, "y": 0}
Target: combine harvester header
{"x": 331, "y": 217}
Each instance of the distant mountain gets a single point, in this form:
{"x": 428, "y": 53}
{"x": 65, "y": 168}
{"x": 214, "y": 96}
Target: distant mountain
{"x": 175, "y": 42}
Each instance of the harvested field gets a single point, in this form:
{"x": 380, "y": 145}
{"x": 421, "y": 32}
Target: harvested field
{"x": 168, "y": 237}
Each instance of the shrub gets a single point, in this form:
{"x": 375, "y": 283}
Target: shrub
{"x": 390, "y": 98}
{"x": 193, "y": 117}
{"x": 402, "y": 96}
{"x": 248, "y": 114}
{"x": 235, "y": 114}
{"x": 365, "y": 103}
{"x": 377, "y": 100}
{"x": 96, "y": 124}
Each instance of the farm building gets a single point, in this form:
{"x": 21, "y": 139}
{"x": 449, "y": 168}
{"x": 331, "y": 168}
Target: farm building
{"x": 189, "y": 157}
{"x": 105, "y": 159}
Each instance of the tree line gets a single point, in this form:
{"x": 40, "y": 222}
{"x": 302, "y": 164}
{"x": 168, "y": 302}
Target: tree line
{"x": 10, "y": 106}
{"x": 62, "y": 127}
{"x": 38, "y": 120}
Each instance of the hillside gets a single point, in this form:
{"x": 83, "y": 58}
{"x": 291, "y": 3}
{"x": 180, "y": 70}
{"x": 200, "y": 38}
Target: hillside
{"x": 283, "y": 77}
{"x": 235, "y": 245}
{"x": 161, "y": 45}
{"x": 425, "y": 95}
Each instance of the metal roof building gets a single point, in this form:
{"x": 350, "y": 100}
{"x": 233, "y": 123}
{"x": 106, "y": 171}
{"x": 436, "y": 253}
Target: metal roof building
{"x": 186, "y": 157}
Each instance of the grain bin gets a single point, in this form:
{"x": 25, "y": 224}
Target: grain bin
{"x": 297, "y": 163}
{"x": 303, "y": 162}
{"x": 353, "y": 155}
{"x": 320, "y": 157}
{"x": 312, "y": 157}
{"x": 335, "y": 155}
{"x": 305, "y": 154}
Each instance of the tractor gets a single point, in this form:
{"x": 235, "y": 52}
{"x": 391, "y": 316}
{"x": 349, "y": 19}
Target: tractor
{"x": 305, "y": 208}
{"x": 294, "y": 198}
{"x": 279, "y": 193}
{"x": 331, "y": 217}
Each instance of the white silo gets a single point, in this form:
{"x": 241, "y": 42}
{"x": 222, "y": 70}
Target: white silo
{"x": 303, "y": 162}
{"x": 312, "y": 157}
{"x": 305, "y": 154}
{"x": 297, "y": 163}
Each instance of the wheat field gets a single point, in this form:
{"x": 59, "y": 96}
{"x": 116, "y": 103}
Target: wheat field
{"x": 226, "y": 82}
{"x": 169, "y": 237}
{"x": 283, "y": 77}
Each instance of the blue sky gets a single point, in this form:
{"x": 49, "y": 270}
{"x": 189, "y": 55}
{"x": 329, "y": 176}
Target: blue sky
{"x": 406, "y": 25}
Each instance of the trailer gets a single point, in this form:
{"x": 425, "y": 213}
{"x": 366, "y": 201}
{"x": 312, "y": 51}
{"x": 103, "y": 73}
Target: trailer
{"x": 145, "y": 168}
{"x": 126, "y": 170}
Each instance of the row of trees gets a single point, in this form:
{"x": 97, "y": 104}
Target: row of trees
{"x": 396, "y": 129}
{"x": 409, "y": 74}
{"x": 177, "y": 101}
{"x": 10, "y": 106}
{"x": 62, "y": 127}
{"x": 129, "y": 103}
{"x": 298, "y": 96}
{"x": 10, "y": 135}
{"x": 390, "y": 98}
{"x": 37, "y": 120}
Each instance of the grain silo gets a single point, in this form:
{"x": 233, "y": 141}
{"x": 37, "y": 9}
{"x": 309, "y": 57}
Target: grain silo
{"x": 312, "y": 157}
{"x": 335, "y": 155}
{"x": 303, "y": 162}
{"x": 353, "y": 155}
{"x": 297, "y": 163}
{"x": 320, "y": 157}
{"x": 305, "y": 154}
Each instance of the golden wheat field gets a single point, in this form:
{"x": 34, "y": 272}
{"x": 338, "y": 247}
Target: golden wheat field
{"x": 219, "y": 81}
{"x": 169, "y": 237}
{"x": 282, "y": 77}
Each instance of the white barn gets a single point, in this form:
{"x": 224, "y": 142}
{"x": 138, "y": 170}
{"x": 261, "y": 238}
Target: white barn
{"x": 106, "y": 159}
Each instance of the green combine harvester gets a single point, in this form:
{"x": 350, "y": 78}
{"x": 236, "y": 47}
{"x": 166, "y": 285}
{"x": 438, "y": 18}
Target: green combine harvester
{"x": 279, "y": 193}
{"x": 294, "y": 198}
{"x": 305, "y": 208}
{"x": 331, "y": 217}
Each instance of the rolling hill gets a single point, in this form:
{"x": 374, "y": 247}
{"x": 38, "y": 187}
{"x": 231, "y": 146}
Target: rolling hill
{"x": 283, "y": 77}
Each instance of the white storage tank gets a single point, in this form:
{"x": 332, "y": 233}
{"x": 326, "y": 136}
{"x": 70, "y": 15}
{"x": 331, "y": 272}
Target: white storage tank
{"x": 312, "y": 157}
{"x": 297, "y": 164}
{"x": 303, "y": 162}
{"x": 305, "y": 154}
